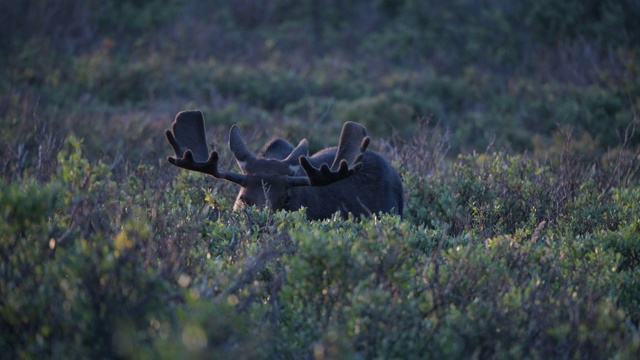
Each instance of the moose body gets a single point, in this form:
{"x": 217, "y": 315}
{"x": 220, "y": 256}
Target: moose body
{"x": 284, "y": 177}
{"x": 374, "y": 188}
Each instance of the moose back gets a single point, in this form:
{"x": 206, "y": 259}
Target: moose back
{"x": 348, "y": 178}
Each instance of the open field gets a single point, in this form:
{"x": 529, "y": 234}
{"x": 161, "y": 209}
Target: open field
{"x": 514, "y": 127}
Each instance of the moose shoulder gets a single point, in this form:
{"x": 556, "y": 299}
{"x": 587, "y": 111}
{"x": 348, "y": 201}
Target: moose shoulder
{"x": 348, "y": 178}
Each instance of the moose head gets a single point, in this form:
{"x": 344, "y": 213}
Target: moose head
{"x": 282, "y": 176}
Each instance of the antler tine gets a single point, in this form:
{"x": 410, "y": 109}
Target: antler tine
{"x": 187, "y": 138}
{"x": 187, "y": 132}
{"x": 353, "y": 143}
{"x": 209, "y": 167}
{"x": 324, "y": 175}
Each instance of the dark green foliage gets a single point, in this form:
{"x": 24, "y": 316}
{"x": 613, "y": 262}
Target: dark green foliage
{"x": 494, "y": 265}
{"x": 503, "y": 70}
{"x": 596, "y": 19}
{"x": 512, "y": 124}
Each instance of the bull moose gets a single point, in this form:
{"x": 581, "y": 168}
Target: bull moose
{"x": 349, "y": 178}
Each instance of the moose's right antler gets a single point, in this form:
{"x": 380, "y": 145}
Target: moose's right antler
{"x": 188, "y": 140}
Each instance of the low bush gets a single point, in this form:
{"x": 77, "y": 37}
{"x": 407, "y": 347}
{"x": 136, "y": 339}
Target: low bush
{"x": 511, "y": 124}
{"x": 489, "y": 261}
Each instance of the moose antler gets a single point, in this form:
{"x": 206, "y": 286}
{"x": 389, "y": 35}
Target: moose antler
{"x": 188, "y": 140}
{"x": 351, "y": 147}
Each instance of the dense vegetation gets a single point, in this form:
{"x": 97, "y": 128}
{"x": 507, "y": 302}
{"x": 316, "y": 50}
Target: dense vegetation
{"x": 512, "y": 123}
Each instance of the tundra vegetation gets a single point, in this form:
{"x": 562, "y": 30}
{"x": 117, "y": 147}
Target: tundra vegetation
{"x": 513, "y": 126}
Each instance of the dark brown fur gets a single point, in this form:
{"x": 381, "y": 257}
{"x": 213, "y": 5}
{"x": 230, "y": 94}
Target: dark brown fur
{"x": 345, "y": 179}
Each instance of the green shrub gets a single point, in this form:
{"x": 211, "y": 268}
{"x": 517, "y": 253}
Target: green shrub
{"x": 493, "y": 194}
{"x": 380, "y": 114}
{"x": 163, "y": 267}
{"x": 528, "y": 249}
{"x": 27, "y": 247}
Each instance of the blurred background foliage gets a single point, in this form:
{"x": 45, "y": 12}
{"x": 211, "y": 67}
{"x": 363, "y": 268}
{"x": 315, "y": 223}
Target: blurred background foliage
{"x": 504, "y": 69}
{"x": 513, "y": 125}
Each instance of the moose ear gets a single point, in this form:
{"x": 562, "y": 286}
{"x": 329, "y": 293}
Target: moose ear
{"x": 238, "y": 148}
{"x": 301, "y": 150}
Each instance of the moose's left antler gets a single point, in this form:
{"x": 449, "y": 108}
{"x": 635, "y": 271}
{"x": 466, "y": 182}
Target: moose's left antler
{"x": 351, "y": 147}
